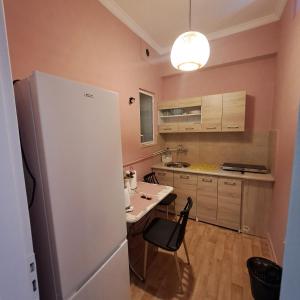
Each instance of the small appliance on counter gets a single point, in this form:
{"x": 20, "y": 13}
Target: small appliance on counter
{"x": 245, "y": 168}
{"x": 130, "y": 179}
{"x": 166, "y": 157}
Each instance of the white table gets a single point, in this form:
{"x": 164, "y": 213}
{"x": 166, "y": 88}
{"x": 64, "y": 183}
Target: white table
{"x": 142, "y": 206}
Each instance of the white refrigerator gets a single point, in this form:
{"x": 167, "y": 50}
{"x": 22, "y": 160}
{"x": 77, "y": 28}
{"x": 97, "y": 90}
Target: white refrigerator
{"x": 70, "y": 133}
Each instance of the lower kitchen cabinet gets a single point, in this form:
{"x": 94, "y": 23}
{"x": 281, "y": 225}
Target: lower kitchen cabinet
{"x": 185, "y": 185}
{"x": 164, "y": 177}
{"x": 229, "y": 203}
{"x": 238, "y": 204}
{"x": 219, "y": 201}
{"x": 207, "y": 198}
{"x": 257, "y": 197}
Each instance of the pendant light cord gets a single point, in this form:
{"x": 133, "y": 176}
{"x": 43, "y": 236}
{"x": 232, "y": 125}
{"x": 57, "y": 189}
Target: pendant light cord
{"x": 190, "y": 16}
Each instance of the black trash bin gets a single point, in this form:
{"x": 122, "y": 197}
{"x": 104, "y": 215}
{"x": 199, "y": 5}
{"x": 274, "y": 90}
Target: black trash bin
{"x": 265, "y": 278}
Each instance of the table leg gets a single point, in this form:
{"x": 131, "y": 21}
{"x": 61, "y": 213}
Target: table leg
{"x": 133, "y": 270}
{"x": 130, "y": 232}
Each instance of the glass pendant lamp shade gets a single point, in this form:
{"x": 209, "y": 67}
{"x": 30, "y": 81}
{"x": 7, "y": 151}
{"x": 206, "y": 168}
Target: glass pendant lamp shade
{"x": 190, "y": 51}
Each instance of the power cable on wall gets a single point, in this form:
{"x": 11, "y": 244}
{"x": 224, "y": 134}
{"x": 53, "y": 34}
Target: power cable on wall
{"x": 28, "y": 170}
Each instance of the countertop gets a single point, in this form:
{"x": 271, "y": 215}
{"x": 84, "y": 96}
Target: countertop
{"x": 142, "y": 206}
{"x": 217, "y": 171}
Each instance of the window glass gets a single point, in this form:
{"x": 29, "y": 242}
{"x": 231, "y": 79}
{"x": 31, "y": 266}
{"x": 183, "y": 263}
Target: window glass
{"x": 146, "y": 118}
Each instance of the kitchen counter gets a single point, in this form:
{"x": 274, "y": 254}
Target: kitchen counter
{"x": 217, "y": 171}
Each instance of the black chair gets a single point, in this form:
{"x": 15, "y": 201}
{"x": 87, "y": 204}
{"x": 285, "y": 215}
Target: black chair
{"x": 168, "y": 235}
{"x": 151, "y": 178}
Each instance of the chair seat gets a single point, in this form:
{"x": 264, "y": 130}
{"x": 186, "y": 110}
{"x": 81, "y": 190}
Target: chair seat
{"x": 168, "y": 199}
{"x": 159, "y": 232}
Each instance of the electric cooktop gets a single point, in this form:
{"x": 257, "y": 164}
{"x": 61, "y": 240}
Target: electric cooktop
{"x": 245, "y": 168}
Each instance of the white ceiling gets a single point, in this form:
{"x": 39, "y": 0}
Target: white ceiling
{"x": 159, "y": 22}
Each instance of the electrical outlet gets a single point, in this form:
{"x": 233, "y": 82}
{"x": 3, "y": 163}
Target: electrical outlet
{"x": 246, "y": 228}
{"x": 33, "y": 276}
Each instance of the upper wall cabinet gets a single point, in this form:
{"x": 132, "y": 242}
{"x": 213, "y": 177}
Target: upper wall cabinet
{"x": 180, "y": 116}
{"x": 234, "y": 107}
{"x": 213, "y": 113}
{"x": 181, "y": 103}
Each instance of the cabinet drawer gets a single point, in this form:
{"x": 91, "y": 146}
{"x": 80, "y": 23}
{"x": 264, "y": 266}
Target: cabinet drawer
{"x": 232, "y": 126}
{"x": 164, "y": 177}
{"x": 185, "y": 179}
{"x": 231, "y": 188}
{"x": 211, "y": 127}
{"x": 208, "y": 184}
{"x": 168, "y": 128}
{"x": 189, "y": 127}
{"x": 181, "y": 200}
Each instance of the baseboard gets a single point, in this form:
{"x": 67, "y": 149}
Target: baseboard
{"x": 272, "y": 247}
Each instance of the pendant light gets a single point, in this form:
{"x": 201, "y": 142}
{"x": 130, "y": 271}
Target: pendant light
{"x": 190, "y": 50}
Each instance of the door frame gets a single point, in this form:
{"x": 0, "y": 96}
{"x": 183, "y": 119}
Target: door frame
{"x": 18, "y": 270}
{"x": 290, "y": 288}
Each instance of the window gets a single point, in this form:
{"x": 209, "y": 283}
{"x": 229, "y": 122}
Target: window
{"x": 146, "y": 118}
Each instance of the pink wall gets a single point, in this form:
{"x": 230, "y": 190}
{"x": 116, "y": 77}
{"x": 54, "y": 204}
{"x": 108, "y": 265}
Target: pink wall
{"x": 256, "y": 76}
{"x": 81, "y": 40}
{"x": 284, "y": 121}
{"x": 260, "y": 41}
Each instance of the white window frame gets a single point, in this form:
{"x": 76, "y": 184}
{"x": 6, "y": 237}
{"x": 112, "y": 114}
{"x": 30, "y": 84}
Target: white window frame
{"x": 153, "y": 142}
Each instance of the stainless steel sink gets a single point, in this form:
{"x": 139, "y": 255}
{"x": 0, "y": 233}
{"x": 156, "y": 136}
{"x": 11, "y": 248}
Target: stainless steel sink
{"x": 177, "y": 164}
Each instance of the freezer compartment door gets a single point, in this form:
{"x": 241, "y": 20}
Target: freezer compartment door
{"x": 110, "y": 282}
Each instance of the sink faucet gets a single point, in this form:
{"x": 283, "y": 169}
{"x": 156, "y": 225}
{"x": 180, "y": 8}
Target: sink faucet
{"x": 181, "y": 149}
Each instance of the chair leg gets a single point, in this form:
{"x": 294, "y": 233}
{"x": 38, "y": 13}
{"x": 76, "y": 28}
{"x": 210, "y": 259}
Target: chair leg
{"x": 175, "y": 213}
{"x": 167, "y": 212}
{"x": 186, "y": 252}
{"x": 145, "y": 259}
{"x": 178, "y": 271}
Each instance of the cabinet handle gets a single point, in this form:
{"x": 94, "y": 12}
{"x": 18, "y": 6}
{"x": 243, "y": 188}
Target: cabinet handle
{"x": 189, "y": 128}
{"x": 233, "y": 126}
{"x": 211, "y": 127}
{"x": 206, "y": 180}
{"x": 167, "y": 128}
{"x": 229, "y": 183}
{"x": 161, "y": 174}
{"x": 184, "y": 177}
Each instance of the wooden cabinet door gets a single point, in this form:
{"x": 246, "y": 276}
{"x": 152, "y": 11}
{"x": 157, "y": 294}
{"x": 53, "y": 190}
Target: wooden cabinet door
{"x": 181, "y": 200}
{"x": 167, "y": 105}
{"x": 164, "y": 128}
{"x": 257, "y": 196}
{"x": 229, "y": 203}
{"x": 190, "y": 102}
{"x": 183, "y": 179}
{"x": 185, "y": 185}
{"x": 234, "y": 106}
{"x": 207, "y": 198}
{"x": 164, "y": 177}
{"x": 211, "y": 113}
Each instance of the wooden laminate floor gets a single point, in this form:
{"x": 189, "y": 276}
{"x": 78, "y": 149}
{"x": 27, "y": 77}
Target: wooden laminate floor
{"x": 217, "y": 271}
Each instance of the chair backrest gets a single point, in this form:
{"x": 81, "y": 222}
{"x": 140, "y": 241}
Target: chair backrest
{"x": 182, "y": 221}
{"x": 151, "y": 178}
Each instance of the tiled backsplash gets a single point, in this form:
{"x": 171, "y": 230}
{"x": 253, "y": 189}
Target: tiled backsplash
{"x": 216, "y": 148}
